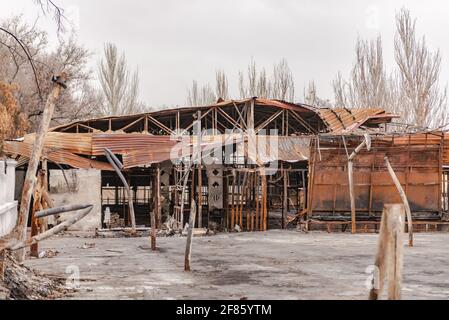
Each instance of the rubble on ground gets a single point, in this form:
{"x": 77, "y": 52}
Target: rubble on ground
{"x": 22, "y": 283}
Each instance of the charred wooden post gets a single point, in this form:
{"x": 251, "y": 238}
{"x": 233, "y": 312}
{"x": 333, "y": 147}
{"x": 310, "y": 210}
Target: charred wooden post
{"x": 234, "y": 178}
{"x": 285, "y": 197}
{"x": 389, "y": 256}
{"x": 264, "y": 200}
{"x": 20, "y": 233}
{"x": 404, "y": 200}
{"x": 200, "y": 171}
{"x": 158, "y": 206}
{"x": 242, "y": 195}
{"x": 256, "y": 178}
{"x": 188, "y": 252}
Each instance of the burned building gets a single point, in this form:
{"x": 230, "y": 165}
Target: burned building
{"x": 264, "y": 164}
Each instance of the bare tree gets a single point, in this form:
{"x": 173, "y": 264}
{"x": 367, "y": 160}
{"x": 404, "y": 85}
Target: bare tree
{"x": 200, "y": 95}
{"x": 311, "y": 97}
{"x": 283, "y": 87}
{"x": 368, "y": 84}
{"x": 50, "y": 7}
{"x": 421, "y": 100}
{"x": 412, "y": 90}
{"x": 32, "y": 71}
{"x": 120, "y": 89}
{"x": 221, "y": 85}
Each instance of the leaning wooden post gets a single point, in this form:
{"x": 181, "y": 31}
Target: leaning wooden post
{"x": 404, "y": 200}
{"x": 366, "y": 142}
{"x": 189, "y": 236}
{"x": 20, "y": 233}
{"x": 389, "y": 256}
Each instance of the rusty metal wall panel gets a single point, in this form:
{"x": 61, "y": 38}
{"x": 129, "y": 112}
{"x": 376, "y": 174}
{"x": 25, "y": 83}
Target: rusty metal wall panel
{"x": 417, "y": 168}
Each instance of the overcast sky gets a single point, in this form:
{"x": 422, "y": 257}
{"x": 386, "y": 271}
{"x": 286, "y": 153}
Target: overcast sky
{"x": 175, "y": 42}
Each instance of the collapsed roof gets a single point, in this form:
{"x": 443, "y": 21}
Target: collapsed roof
{"x": 147, "y": 138}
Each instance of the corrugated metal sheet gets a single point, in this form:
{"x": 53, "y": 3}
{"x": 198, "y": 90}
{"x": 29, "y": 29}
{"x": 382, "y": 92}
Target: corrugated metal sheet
{"x": 55, "y": 155}
{"x": 122, "y": 143}
{"x": 275, "y": 148}
{"x": 342, "y": 120}
{"x": 80, "y": 143}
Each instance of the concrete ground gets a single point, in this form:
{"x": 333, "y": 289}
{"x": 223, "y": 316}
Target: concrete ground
{"x": 260, "y": 265}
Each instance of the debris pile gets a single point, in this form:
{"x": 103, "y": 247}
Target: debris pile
{"x": 22, "y": 283}
{"x": 115, "y": 221}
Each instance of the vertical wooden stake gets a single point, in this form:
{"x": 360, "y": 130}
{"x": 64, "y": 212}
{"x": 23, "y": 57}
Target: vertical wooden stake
{"x": 389, "y": 256}
{"x": 247, "y": 201}
{"x": 257, "y": 200}
{"x": 242, "y": 194}
{"x": 189, "y": 237}
{"x": 158, "y": 197}
{"x": 264, "y": 201}
{"x": 234, "y": 178}
{"x": 351, "y": 196}
{"x": 200, "y": 196}
{"x": 285, "y": 198}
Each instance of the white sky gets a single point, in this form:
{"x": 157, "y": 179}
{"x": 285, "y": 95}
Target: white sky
{"x": 175, "y": 42}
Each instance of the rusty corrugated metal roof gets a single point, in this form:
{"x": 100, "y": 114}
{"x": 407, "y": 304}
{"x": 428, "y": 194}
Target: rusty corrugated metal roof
{"x": 342, "y": 120}
{"x": 55, "y": 155}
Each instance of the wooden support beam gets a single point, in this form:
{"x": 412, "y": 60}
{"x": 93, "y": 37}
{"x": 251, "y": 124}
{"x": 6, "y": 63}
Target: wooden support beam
{"x": 268, "y": 121}
{"x": 200, "y": 171}
{"x": 193, "y": 122}
{"x": 264, "y": 201}
{"x": 304, "y": 123}
{"x": 158, "y": 206}
{"x": 351, "y": 196}
{"x": 285, "y": 197}
{"x": 160, "y": 125}
{"x": 133, "y": 123}
{"x": 404, "y": 200}
{"x": 230, "y": 119}
{"x": 389, "y": 257}
{"x": 242, "y": 195}
{"x": 233, "y": 199}
{"x": 242, "y": 119}
{"x": 155, "y": 214}
{"x": 20, "y": 233}
{"x": 257, "y": 227}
